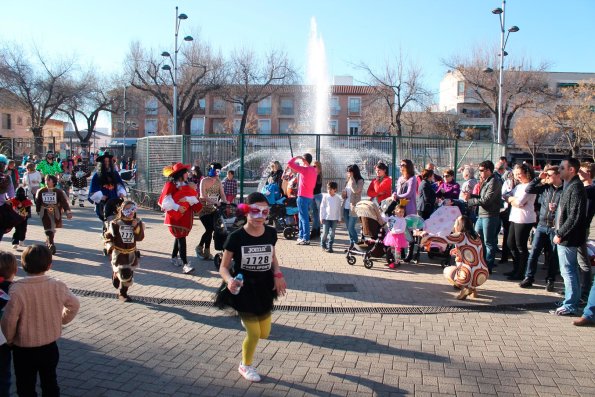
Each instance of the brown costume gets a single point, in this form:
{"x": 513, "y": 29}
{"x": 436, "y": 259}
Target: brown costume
{"x": 49, "y": 204}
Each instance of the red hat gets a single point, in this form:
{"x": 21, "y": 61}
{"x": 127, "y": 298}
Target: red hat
{"x": 176, "y": 168}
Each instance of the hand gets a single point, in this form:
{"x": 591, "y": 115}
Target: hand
{"x": 233, "y": 285}
{"x": 557, "y": 240}
{"x": 543, "y": 175}
{"x": 280, "y": 286}
{"x": 181, "y": 209}
{"x": 69, "y": 215}
{"x": 134, "y": 222}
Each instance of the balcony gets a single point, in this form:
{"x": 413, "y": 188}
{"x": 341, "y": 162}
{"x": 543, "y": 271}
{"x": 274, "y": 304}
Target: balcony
{"x": 286, "y": 110}
{"x": 263, "y": 111}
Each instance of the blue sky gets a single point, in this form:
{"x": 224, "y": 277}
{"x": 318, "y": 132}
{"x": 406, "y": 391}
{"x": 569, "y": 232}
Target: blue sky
{"x": 427, "y": 31}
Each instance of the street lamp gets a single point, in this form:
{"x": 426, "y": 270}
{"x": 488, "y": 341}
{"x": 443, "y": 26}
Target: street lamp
{"x": 501, "y": 12}
{"x": 174, "y": 76}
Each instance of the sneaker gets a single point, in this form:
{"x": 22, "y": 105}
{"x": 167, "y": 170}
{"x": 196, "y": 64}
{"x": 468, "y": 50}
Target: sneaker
{"x": 176, "y": 262}
{"x": 187, "y": 269}
{"x": 526, "y": 283}
{"x": 549, "y": 286}
{"x": 81, "y": 205}
{"x": 72, "y": 202}
{"x": 299, "y": 241}
{"x": 249, "y": 373}
{"x": 22, "y": 244}
{"x": 15, "y": 246}
{"x": 330, "y": 251}
{"x": 562, "y": 311}
{"x": 306, "y": 242}
{"x": 52, "y": 248}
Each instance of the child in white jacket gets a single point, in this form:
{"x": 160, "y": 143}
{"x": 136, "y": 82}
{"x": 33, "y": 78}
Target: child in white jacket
{"x": 330, "y": 215}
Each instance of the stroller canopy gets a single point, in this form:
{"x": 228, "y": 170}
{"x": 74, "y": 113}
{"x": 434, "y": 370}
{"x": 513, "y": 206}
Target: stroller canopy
{"x": 442, "y": 221}
{"x": 369, "y": 209}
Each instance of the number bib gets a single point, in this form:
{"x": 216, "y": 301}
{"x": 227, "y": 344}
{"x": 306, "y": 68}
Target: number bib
{"x": 79, "y": 174}
{"x": 257, "y": 258}
{"x": 127, "y": 234}
{"x": 49, "y": 198}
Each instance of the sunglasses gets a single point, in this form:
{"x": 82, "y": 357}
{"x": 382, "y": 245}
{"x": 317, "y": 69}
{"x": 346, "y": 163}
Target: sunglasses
{"x": 258, "y": 211}
{"x": 481, "y": 169}
{"x": 402, "y": 165}
{"x": 446, "y": 175}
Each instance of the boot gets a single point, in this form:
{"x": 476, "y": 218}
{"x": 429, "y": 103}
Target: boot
{"x": 207, "y": 254}
{"x": 115, "y": 280}
{"x": 200, "y": 251}
{"x": 123, "y": 296}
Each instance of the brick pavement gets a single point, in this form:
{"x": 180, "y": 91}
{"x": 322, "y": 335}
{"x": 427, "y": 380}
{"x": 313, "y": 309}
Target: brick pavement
{"x": 144, "y": 349}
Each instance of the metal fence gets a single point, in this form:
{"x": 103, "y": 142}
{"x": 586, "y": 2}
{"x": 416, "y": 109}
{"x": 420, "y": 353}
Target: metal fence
{"x": 250, "y": 155}
{"x": 16, "y": 148}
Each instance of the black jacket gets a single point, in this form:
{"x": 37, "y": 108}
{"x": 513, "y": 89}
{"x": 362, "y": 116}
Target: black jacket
{"x": 572, "y": 213}
{"x": 548, "y": 194}
{"x": 490, "y": 197}
{"x": 426, "y": 198}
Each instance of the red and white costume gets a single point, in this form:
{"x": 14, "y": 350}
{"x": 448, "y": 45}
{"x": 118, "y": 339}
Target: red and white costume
{"x": 173, "y": 196}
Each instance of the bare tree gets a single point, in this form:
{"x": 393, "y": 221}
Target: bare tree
{"x": 41, "y": 86}
{"x": 573, "y": 114}
{"x": 532, "y": 131}
{"x": 93, "y": 95}
{"x": 376, "y": 117}
{"x": 200, "y": 71}
{"x": 445, "y": 124}
{"x": 524, "y": 87}
{"x": 252, "y": 79}
{"x": 399, "y": 85}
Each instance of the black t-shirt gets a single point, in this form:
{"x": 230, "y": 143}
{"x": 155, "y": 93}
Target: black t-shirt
{"x": 318, "y": 185}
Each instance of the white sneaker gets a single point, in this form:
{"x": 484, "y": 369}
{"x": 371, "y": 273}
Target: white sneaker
{"x": 22, "y": 244}
{"x": 15, "y": 246}
{"x": 176, "y": 262}
{"x": 299, "y": 241}
{"x": 249, "y": 373}
{"x": 187, "y": 269}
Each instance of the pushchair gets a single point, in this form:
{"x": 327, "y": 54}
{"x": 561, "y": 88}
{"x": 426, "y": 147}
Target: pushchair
{"x": 440, "y": 224}
{"x": 227, "y": 221}
{"x": 374, "y": 231}
{"x": 284, "y": 216}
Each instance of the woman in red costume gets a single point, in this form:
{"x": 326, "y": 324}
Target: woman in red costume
{"x": 179, "y": 200}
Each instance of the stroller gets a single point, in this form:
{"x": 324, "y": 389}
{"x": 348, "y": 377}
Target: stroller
{"x": 374, "y": 231}
{"x": 440, "y": 223}
{"x": 283, "y": 216}
{"x": 226, "y": 222}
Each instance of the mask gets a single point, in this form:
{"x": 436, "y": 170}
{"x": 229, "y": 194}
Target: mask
{"x": 257, "y": 211}
{"x": 129, "y": 212}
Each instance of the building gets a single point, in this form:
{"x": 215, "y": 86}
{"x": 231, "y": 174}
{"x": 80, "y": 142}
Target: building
{"x": 14, "y": 119}
{"x": 277, "y": 114}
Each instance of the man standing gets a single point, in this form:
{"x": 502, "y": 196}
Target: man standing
{"x": 549, "y": 187}
{"x": 571, "y": 233}
{"x": 489, "y": 201}
{"x": 586, "y": 174}
{"x": 307, "y": 181}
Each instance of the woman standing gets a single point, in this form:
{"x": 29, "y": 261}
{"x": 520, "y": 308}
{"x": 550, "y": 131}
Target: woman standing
{"x": 522, "y": 218}
{"x": 449, "y": 189}
{"x": 275, "y": 174}
{"x": 211, "y": 193}
{"x": 252, "y": 249}
{"x": 315, "y": 206}
{"x": 426, "y": 197}
{"x": 381, "y": 186}
{"x": 180, "y": 202}
{"x": 352, "y": 194}
{"x": 407, "y": 186}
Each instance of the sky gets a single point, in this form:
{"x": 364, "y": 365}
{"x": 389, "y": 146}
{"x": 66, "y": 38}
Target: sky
{"x": 99, "y": 33}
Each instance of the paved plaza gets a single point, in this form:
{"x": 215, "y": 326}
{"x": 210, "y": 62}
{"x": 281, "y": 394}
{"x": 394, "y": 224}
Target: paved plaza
{"x": 398, "y": 333}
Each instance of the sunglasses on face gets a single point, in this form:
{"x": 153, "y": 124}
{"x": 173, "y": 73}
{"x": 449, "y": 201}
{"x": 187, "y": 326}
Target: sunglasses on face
{"x": 258, "y": 211}
{"x": 402, "y": 165}
{"x": 481, "y": 169}
{"x": 446, "y": 176}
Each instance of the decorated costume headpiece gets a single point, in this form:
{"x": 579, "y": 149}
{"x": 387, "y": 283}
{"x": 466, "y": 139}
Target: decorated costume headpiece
{"x": 177, "y": 168}
{"x": 3, "y": 159}
{"x": 403, "y": 203}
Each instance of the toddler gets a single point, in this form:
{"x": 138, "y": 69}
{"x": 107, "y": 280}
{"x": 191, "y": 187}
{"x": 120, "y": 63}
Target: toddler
{"x": 330, "y": 215}
{"x": 22, "y": 205}
{"x": 395, "y": 237}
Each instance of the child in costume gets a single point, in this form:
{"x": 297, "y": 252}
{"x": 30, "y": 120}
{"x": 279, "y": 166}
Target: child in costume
{"x": 50, "y": 202}
{"x": 471, "y": 269}
{"x": 80, "y": 173}
{"x": 120, "y": 241}
{"x": 397, "y": 226}
{"x": 22, "y": 205}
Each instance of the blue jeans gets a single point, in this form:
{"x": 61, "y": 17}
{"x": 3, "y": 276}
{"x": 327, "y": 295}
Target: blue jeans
{"x": 315, "y": 206}
{"x": 543, "y": 240}
{"x": 350, "y": 223}
{"x": 304, "y": 217}
{"x": 569, "y": 272}
{"x": 589, "y": 312}
{"x": 328, "y": 231}
{"x": 488, "y": 229}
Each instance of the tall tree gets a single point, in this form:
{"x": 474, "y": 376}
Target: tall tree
{"x": 525, "y": 86}
{"x": 40, "y": 85}
{"x": 399, "y": 84}
{"x": 200, "y": 71}
{"x": 252, "y": 79}
{"x": 532, "y": 131}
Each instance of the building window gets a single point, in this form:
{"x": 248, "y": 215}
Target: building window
{"x": 197, "y": 126}
{"x": 333, "y": 126}
{"x": 19, "y": 120}
{"x": 460, "y": 88}
{"x": 286, "y": 106}
{"x": 218, "y": 106}
{"x": 264, "y": 107}
{"x": 219, "y": 126}
{"x": 335, "y": 107}
{"x": 354, "y": 127}
{"x": 264, "y": 126}
{"x": 236, "y": 126}
{"x": 150, "y": 127}
{"x": 151, "y": 107}
{"x": 202, "y": 103}
{"x": 285, "y": 126}
{"x": 355, "y": 105}
{"x": 6, "y": 121}
{"x": 238, "y": 108}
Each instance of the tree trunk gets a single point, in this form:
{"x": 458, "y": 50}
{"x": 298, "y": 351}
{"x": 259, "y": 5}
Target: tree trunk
{"x": 38, "y": 140}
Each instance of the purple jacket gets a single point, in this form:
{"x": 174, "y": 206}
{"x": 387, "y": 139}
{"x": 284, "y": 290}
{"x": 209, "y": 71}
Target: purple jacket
{"x": 407, "y": 189}
{"x": 451, "y": 191}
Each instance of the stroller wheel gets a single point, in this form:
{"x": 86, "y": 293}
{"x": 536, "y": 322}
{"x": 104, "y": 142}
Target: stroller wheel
{"x": 368, "y": 263}
{"x": 217, "y": 260}
{"x": 351, "y": 259}
{"x": 289, "y": 233}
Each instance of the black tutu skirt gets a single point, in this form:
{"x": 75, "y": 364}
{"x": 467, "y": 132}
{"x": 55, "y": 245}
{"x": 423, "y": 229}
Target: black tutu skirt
{"x": 255, "y": 298}
{"x": 9, "y": 218}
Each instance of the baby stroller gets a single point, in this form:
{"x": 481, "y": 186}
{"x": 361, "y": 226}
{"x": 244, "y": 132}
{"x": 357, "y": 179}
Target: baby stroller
{"x": 283, "y": 215}
{"x": 374, "y": 231}
{"x": 226, "y": 222}
{"x": 440, "y": 224}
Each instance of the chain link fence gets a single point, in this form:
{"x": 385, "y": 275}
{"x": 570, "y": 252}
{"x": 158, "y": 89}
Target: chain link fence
{"x": 250, "y": 156}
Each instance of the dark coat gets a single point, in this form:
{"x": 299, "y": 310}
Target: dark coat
{"x": 548, "y": 194}
{"x": 572, "y": 214}
{"x": 489, "y": 199}
{"x": 426, "y": 199}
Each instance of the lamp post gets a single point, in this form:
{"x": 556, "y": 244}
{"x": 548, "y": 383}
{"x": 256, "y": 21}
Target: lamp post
{"x": 501, "y": 12}
{"x": 174, "y": 76}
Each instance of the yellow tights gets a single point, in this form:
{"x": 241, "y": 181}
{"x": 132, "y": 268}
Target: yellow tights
{"x": 257, "y": 327}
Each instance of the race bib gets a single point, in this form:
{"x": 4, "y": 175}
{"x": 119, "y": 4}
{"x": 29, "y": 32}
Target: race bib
{"x": 127, "y": 234}
{"x": 79, "y": 174}
{"x": 213, "y": 198}
{"x": 49, "y": 198}
{"x": 257, "y": 258}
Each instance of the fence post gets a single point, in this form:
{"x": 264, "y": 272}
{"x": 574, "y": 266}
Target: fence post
{"x": 394, "y": 161}
{"x": 318, "y": 147}
{"x": 183, "y": 149}
{"x": 147, "y": 166}
{"x": 242, "y": 168}
{"x": 13, "y": 155}
{"x": 456, "y": 165}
